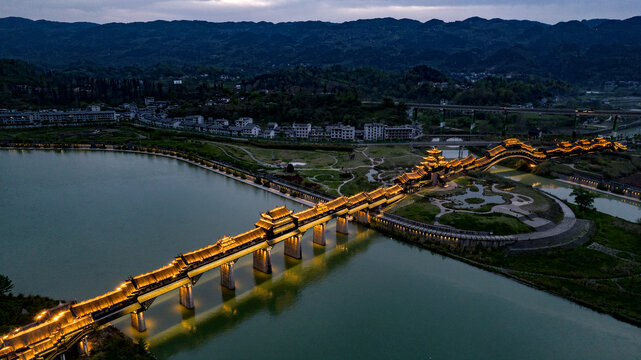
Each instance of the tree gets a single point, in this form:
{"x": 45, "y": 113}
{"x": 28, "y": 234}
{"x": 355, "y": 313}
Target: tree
{"x": 116, "y": 348}
{"x": 6, "y": 285}
{"x": 583, "y": 198}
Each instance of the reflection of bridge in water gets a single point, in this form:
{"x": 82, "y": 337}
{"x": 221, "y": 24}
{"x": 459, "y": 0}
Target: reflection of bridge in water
{"x": 59, "y": 328}
{"x": 272, "y": 294}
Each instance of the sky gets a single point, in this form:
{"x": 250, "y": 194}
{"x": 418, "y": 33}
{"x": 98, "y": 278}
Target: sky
{"x": 104, "y": 11}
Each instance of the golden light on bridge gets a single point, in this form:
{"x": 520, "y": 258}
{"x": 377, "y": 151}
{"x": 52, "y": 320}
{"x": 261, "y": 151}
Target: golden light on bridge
{"x": 436, "y": 170}
{"x": 276, "y": 225}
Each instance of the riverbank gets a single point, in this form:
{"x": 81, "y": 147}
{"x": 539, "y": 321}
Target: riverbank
{"x": 442, "y": 285}
{"x": 286, "y": 193}
{"x": 302, "y": 196}
{"x": 604, "y": 282}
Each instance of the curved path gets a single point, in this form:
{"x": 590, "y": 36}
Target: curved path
{"x": 512, "y": 209}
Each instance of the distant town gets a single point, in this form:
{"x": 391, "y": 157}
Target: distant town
{"x": 154, "y": 113}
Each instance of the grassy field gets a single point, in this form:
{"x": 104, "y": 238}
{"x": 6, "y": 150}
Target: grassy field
{"x": 416, "y": 208}
{"x": 605, "y": 282}
{"x": 499, "y": 224}
{"x": 614, "y": 232}
{"x": 359, "y": 183}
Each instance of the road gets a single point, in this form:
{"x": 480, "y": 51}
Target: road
{"x": 501, "y": 109}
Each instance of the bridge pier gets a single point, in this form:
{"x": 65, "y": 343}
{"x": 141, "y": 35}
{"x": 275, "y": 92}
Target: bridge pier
{"x": 293, "y": 247}
{"x": 63, "y": 357}
{"x": 362, "y": 216}
{"x": 227, "y": 275}
{"x": 138, "y": 320}
{"x": 263, "y": 260}
{"x": 319, "y": 235}
{"x": 186, "y": 296}
{"x": 83, "y": 346}
{"x": 341, "y": 225}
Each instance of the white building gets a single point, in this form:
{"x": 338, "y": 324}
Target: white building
{"x": 250, "y": 130}
{"x": 317, "y": 133}
{"x": 196, "y": 119}
{"x": 340, "y": 132}
{"x": 402, "y": 132}
{"x": 15, "y": 118}
{"x": 302, "y": 130}
{"x": 62, "y": 117}
{"x": 268, "y": 133}
{"x": 243, "y": 121}
{"x": 374, "y": 131}
{"x": 221, "y": 122}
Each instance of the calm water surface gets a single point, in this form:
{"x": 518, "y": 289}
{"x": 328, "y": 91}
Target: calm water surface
{"x": 76, "y": 224}
{"x": 609, "y": 204}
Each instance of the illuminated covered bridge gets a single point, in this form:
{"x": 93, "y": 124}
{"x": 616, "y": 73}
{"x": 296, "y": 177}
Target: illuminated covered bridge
{"x": 435, "y": 169}
{"x": 56, "y": 330}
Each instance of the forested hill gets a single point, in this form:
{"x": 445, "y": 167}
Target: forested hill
{"x": 576, "y": 51}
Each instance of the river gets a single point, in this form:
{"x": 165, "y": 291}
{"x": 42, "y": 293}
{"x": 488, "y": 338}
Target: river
{"x": 75, "y": 224}
{"x": 609, "y": 204}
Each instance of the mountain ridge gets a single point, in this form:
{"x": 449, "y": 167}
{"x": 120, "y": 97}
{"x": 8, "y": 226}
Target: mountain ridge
{"x": 576, "y": 51}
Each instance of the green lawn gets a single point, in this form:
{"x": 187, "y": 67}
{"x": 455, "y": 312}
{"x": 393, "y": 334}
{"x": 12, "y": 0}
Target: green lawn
{"x": 579, "y": 262}
{"x": 613, "y": 232}
{"x": 359, "y": 184}
{"x": 417, "y": 209}
{"x": 602, "y": 295}
{"x": 499, "y": 224}
{"x": 395, "y": 156}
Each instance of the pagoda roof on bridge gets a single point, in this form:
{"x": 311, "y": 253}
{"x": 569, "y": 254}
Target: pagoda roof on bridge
{"x": 358, "y": 198}
{"x": 414, "y": 175}
{"x": 99, "y": 303}
{"x": 203, "y": 253}
{"x": 496, "y": 150}
{"x": 375, "y": 194}
{"x": 426, "y": 166}
{"x": 430, "y": 160}
{"x": 435, "y": 152}
{"x": 265, "y": 224}
{"x": 403, "y": 178}
{"x": 512, "y": 142}
{"x": 319, "y": 209}
{"x": 274, "y": 217}
{"x": 157, "y": 275}
{"x": 248, "y": 236}
{"x": 454, "y": 163}
{"x": 481, "y": 161}
{"x": 336, "y": 203}
{"x": 619, "y": 146}
{"x": 468, "y": 160}
{"x": 276, "y": 213}
{"x": 394, "y": 190}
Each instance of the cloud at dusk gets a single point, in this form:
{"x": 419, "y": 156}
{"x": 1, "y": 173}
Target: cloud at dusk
{"x": 547, "y": 11}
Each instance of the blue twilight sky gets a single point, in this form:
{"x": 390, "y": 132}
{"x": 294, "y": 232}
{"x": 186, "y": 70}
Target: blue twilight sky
{"x": 548, "y": 11}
